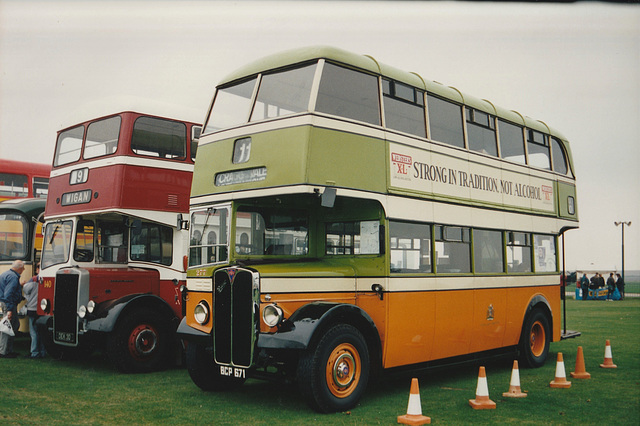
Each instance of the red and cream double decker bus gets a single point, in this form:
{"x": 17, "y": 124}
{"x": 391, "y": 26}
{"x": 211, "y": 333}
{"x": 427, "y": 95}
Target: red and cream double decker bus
{"x": 21, "y": 179}
{"x": 348, "y": 217}
{"x": 113, "y": 259}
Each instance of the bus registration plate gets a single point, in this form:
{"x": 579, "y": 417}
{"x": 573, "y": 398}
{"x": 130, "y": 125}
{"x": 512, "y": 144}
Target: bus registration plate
{"x": 237, "y": 372}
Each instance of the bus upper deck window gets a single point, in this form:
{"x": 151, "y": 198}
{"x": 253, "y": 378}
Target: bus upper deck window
{"x": 284, "y": 93}
{"x": 538, "y": 147}
{"x": 559, "y": 159}
{"x": 102, "y": 137}
{"x": 68, "y": 146}
{"x": 350, "y": 94}
{"x": 481, "y": 132}
{"x": 404, "y": 108}
{"x": 231, "y": 106}
{"x": 157, "y": 137}
{"x": 445, "y": 121}
{"x": 511, "y": 142}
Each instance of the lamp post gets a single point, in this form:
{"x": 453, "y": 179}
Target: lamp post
{"x": 623, "y": 224}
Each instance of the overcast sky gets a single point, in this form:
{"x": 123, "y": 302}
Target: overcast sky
{"x": 574, "y": 66}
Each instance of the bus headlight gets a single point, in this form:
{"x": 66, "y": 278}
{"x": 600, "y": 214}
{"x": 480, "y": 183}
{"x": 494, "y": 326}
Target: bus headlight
{"x": 91, "y": 306}
{"x": 82, "y": 311}
{"x": 201, "y": 313}
{"x": 272, "y": 315}
{"x": 44, "y": 305}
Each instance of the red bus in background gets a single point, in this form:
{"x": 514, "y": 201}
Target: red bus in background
{"x": 113, "y": 260}
{"x": 21, "y": 179}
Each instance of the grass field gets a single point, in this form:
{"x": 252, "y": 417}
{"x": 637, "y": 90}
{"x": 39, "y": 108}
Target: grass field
{"x": 92, "y": 392}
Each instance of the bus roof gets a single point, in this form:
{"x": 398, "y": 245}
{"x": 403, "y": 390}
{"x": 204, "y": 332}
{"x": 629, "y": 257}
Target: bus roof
{"x": 29, "y": 206}
{"x": 370, "y": 64}
{"x": 14, "y": 166}
{"x": 117, "y": 104}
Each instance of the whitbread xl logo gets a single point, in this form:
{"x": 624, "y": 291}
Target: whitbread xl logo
{"x": 402, "y": 164}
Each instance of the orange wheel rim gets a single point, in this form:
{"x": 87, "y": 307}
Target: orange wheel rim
{"x": 343, "y": 370}
{"x": 537, "y": 339}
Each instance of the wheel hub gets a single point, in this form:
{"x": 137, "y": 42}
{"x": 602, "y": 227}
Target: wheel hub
{"x": 142, "y": 341}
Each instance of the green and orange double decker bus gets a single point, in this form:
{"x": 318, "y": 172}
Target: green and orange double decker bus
{"x": 348, "y": 217}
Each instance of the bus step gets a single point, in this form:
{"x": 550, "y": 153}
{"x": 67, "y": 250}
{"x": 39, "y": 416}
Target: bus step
{"x": 569, "y": 334}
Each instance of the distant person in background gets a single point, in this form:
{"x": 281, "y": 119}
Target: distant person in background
{"x": 594, "y": 282}
{"x": 611, "y": 286}
{"x": 584, "y": 285}
{"x": 10, "y": 296}
{"x": 620, "y": 285}
{"x": 30, "y": 290}
{"x": 600, "y": 280}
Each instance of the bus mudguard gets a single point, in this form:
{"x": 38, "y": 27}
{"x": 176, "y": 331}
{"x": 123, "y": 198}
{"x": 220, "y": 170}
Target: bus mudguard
{"x": 106, "y": 316}
{"x": 192, "y": 335}
{"x": 303, "y": 326}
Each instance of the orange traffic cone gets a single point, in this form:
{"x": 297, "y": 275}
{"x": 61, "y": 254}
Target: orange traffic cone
{"x": 581, "y": 372}
{"x": 414, "y": 409}
{"x": 561, "y": 378}
{"x": 514, "y": 386}
{"x": 608, "y": 358}
{"x": 482, "y": 401}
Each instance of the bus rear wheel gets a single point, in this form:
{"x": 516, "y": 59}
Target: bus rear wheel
{"x": 536, "y": 339}
{"x": 333, "y": 374}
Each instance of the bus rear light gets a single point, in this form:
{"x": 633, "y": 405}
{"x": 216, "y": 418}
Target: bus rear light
{"x": 272, "y": 315}
{"x": 201, "y": 312}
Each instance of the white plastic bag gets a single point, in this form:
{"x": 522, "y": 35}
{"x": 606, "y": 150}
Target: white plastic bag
{"x": 5, "y": 327}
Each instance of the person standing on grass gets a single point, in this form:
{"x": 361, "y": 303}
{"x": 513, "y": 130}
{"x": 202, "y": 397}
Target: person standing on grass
{"x": 10, "y": 296}
{"x": 30, "y": 290}
{"x": 611, "y": 286}
{"x": 584, "y": 285}
{"x": 620, "y": 285}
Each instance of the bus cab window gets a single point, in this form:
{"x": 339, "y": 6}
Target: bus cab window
{"x": 102, "y": 137}
{"x": 56, "y": 244}
{"x": 208, "y": 242}
{"x": 156, "y": 137}
{"x": 350, "y": 94}
{"x": 152, "y": 243}
{"x": 271, "y": 233}
{"x": 112, "y": 242}
{"x": 83, "y": 251}
{"x": 13, "y": 236}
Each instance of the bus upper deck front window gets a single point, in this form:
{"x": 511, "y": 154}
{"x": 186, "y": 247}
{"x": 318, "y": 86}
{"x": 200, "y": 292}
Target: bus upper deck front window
{"x": 56, "y": 244}
{"x": 14, "y": 231}
{"x": 271, "y": 233}
{"x": 68, "y": 146}
{"x": 284, "y": 93}
{"x": 231, "y": 106}
{"x": 102, "y": 137}
{"x": 209, "y": 236}
{"x": 157, "y": 137}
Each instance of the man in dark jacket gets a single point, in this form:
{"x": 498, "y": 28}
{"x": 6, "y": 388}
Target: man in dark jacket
{"x": 611, "y": 286}
{"x": 10, "y": 296}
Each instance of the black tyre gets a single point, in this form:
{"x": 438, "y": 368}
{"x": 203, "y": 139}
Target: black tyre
{"x": 535, "y": 340}
{"x": 205, "y": 373}
{"x": 333, "y": 374}
{"x": 142, "y": 342}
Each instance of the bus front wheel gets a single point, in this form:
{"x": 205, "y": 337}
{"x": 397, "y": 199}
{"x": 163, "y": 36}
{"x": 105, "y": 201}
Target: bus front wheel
{"x": 333, "y": 374}
{"x": 536, "y": 339}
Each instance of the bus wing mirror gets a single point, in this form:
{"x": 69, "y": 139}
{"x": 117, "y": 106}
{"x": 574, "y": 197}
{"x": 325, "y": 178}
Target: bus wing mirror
{"x": 328, "y": 197}
{"x": 182, "y": 224}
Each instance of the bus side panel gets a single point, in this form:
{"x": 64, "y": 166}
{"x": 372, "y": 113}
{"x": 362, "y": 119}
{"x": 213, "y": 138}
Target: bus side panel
{"x": 412, "y": 317}
{"x": 489, "y": 319}
{"x": 454, "y": 315}
{"x": 518, "y": 300}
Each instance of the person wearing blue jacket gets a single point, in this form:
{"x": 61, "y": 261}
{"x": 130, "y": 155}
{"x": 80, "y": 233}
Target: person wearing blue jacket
{"x": 10, "y": 296}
